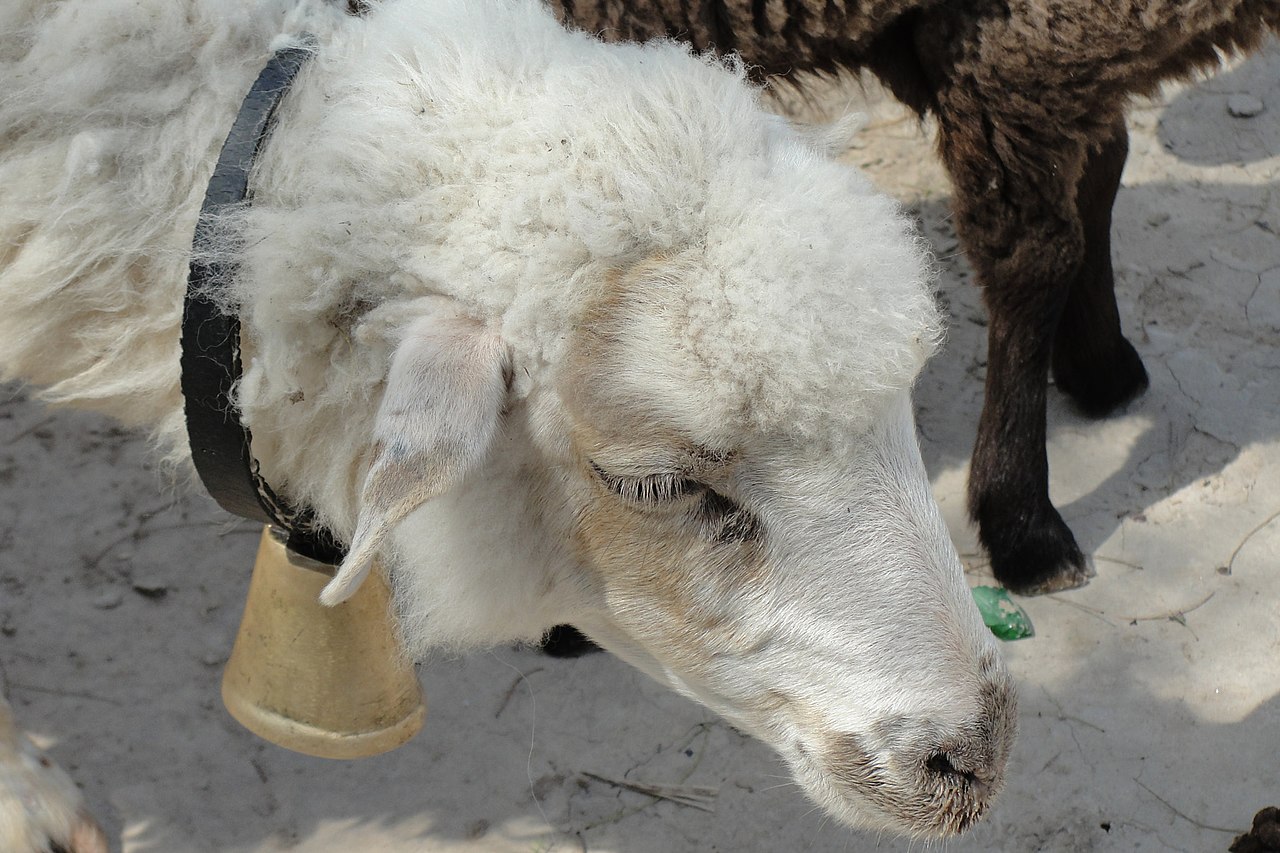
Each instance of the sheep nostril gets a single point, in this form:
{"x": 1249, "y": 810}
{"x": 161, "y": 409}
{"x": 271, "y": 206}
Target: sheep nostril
{"x": 939, "y": 764}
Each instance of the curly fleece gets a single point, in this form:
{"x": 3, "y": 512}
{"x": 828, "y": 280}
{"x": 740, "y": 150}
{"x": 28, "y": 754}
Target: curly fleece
{"x": 471, "y": 151}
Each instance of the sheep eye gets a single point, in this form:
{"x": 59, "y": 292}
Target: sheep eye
{"x": 650, "y": 489}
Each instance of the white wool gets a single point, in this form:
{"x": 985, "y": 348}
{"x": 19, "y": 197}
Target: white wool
{"x": 113, "y": 113}
{"x": 489, "y": 268}
{"x": 464, "y": 153}
{"x": 441, "y": 149}
{"x": 436, "y": 148}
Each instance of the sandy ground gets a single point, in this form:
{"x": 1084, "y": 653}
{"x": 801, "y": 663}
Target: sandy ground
{"x": 1150, "y": 699}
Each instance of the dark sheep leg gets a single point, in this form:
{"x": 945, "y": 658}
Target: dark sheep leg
{"x": 1027, "y": 246}
{"x": 1092, "y": 361}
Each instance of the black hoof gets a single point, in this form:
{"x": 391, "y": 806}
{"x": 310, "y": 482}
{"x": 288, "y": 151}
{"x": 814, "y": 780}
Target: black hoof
{"x": 566, "y": 641}
{"x": 1034, "y": 556}
{"x": 1100, "y": 386}
{"x": 1063, "y": 576}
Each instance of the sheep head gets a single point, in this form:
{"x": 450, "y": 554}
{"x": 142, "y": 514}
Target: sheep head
{"x": 723, "y": 512}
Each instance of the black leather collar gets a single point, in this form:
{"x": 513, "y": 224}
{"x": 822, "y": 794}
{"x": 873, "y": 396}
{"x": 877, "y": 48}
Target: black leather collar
{"x": 220, "y": 442}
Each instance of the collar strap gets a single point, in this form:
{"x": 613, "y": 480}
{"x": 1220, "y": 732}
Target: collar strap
{"x": 220, "y": 442}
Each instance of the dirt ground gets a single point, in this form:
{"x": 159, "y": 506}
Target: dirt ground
{"x": 1150, "y": 700}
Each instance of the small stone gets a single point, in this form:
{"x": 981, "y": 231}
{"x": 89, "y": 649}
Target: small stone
{"x": 109, "y": 600}
{"x": 150, "y": 587}
{"x": 213, "y": 657}
{"x": 1244, "y": 106}
{"x": 1158, "y": 218}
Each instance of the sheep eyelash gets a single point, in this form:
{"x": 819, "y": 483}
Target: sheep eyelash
{"x": 650, "y": 489}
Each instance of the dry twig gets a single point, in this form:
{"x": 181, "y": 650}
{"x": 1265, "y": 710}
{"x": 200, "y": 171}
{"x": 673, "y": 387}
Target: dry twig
{"x": 694, "y": 796}
{"x": 1185, "y": 817}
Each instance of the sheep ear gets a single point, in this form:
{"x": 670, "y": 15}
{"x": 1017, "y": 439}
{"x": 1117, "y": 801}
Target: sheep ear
{"x": 437, "y": 420}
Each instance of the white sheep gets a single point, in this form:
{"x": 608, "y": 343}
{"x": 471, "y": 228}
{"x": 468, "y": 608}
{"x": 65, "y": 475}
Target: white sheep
{"x": 565, "y": 332}
{"x": 38, "y": 802}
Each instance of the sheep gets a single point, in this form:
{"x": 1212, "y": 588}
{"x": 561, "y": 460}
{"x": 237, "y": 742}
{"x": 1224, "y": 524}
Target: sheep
{"x": 38, "y": 802}
{"x": 564, "y": 332}
{"x": 1029, "y": 97}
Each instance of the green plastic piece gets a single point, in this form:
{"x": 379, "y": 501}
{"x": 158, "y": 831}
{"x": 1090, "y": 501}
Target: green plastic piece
{"x": 1001, "y": 614}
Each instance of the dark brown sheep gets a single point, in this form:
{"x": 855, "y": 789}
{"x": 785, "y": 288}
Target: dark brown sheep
{"x": 1030, "y": 97}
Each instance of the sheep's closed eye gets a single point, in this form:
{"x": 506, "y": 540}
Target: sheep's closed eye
{"x": 722, "y": 520}
{"x": 660, "y": 488}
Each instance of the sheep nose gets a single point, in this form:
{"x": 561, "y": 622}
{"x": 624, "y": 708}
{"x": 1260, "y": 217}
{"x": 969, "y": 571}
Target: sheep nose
{"x": 923, "y": 782}
{"x": 973, "y": 777}
{"x": 927, "y": 776}
{"x": 973, "y": 757}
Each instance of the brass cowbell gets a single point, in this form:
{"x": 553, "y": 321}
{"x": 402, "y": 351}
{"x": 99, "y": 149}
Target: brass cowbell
{"x": 332, "y": 682}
